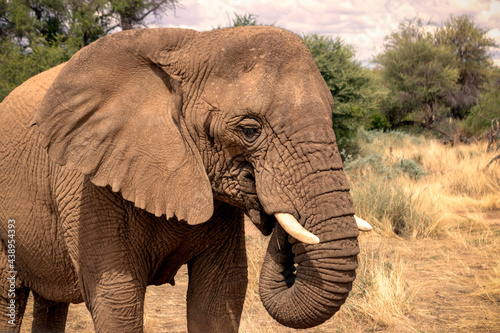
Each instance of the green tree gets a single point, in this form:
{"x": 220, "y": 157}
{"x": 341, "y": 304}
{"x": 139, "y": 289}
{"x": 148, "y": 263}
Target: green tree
{"x": 89, "y": 20}
{"x": 132, "y": 13}
{"x": 488, "y": 107}
{"x": 23, "y": 20}
{"x": 17, "y": 64}
{"x": 352, "y": 86}
{"x": 37, "y": 35}
{"x": 33, "y": 38}
{"x": 420, "y": 75}
{"x": 470, "y": 45}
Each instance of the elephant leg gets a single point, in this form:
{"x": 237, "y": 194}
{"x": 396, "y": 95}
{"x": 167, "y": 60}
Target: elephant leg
{"x": 12, "y": 308}
{"x": 112, "y": 279}
{"x": 13, "y": 295}
{"x": 48, "y": 316}
{"x": 217, "y": 284}
{"x": 116, "y": 303}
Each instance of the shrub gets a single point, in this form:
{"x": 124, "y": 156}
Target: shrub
{"x": 410, "y": 167}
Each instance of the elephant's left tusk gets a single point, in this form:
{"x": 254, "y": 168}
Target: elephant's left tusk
{"x": 362, "y": 224}
{"x": 294, "y": 229}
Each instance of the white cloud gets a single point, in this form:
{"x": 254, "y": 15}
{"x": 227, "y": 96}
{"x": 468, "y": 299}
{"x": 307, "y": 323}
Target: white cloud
{"x": 363, "y": 24}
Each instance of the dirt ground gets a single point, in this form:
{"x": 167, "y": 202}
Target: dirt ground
{"x": 443, "y": 302}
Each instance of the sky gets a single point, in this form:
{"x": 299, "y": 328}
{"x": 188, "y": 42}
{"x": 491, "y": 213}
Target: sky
{"x": 360, "y": 23}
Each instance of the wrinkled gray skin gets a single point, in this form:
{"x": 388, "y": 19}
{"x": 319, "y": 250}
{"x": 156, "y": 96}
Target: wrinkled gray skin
{"x": 144, "y": 151}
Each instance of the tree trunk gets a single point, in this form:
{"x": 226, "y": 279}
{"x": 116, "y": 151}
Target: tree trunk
{"x": 127, "y": 22}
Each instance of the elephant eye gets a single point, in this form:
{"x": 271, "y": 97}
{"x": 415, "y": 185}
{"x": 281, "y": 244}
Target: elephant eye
{"x": 250, "y": 133}
{"x": 249, "y": 129}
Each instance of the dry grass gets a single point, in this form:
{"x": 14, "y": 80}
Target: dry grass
{"x": 419, "y": 187}
{"x": 432, "y": 264}
{"x": 406, "y": 284}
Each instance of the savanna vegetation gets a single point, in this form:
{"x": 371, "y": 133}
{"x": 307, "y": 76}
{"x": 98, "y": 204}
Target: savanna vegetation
{"x": 432, "y": 262}
{"x": 416, "y": 132}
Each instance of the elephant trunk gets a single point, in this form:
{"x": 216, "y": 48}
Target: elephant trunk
{"x": 304, "y": 285}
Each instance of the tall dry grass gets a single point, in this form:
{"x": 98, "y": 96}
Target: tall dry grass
{"x": 420, "y": 187}
{"x": 431, "y": 264}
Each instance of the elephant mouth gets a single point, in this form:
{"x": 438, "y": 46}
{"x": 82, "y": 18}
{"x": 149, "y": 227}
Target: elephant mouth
{"x": 264, "y": 222}
{"x": 246, "y": 179}
{"x": 241, "y": 190}
{"x": 237, "y": 187}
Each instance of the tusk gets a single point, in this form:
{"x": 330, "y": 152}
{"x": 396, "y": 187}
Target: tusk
{"x": 362, "y": 224}
{"x": 294, "y": 229}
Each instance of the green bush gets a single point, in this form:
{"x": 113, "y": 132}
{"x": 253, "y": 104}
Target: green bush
{"x": 17, "y": 65}
{"x": 373, "y": 163}
{"x": 410, "y": 167}
{"x": 378, "y": 122}
{"x": 481, "y": 115}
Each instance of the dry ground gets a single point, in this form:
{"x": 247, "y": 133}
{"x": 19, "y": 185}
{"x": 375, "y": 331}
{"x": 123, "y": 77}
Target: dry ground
{"x": 450, "y": 285}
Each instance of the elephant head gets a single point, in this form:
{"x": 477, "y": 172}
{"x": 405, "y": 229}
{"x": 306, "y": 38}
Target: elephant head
{"x": 175, "y": 119}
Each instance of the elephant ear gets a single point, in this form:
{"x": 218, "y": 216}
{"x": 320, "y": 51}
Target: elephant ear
{"x": 115, "y": 115}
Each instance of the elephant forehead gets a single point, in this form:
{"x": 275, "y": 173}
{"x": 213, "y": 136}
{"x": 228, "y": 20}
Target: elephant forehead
{"x": 290, "y": 103}
{"x": 239, "y": 50}
{"x": 253, "y": 90}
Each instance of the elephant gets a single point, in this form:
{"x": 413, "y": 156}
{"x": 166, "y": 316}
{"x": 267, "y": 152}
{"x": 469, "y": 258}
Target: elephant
{"x": 144, "y": 152}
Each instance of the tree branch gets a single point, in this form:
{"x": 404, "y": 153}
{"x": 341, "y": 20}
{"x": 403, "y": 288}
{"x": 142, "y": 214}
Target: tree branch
{"x": 111, "y": 28}
{"x": 492, "y": 160}
{"x": 155, "y": 8}
{"x": 421, "y": 124}
{"x": 169, "y": 4}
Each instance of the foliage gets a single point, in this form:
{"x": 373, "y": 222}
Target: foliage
{"x": 244, "y": 20}
{"x": 352, "y": 86}
{"x": 131, "y": 13}
{"x": 435, "y": 73}
{"x": 470, "y": 45}
{"x": 420, "y": 74}
{"x": 89, "y": 20}
{"x": 382, "y": 167}
{"x": 410, "y": 167}
{"x": 37, "y": 35}
{"x": 18, "y": 65}
{"x": 378, "y": 121}
{"x": 488, "y": 108}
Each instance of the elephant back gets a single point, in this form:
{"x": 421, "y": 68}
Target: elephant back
{"x": 18, "y": 108}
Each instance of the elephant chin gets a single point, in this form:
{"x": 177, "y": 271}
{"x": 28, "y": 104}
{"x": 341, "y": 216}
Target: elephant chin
{"x": 302, "y": 285}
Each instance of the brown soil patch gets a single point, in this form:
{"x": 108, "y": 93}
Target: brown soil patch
{"x": 454, "y": 286}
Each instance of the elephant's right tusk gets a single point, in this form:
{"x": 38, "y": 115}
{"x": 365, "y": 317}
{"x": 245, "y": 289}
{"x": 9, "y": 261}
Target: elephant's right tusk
{"x": 362, "y": 224}
{"x": 294, "y": 229}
